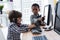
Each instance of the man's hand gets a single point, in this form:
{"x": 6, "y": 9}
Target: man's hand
{"x": 43, "y": 18}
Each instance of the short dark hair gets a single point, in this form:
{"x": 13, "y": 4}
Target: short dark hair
{"x": 35, "y": 4}
{"x": 14, "y": 14}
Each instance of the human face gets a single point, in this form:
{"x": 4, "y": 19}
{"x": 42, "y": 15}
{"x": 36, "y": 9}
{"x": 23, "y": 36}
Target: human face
{"x": 35, "y": 10}
{"x": 19, "y": 20}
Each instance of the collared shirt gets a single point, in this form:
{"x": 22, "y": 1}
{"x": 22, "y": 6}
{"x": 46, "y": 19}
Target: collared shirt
{"x": 14, "y": 31}
{"x": 34, "y": 18}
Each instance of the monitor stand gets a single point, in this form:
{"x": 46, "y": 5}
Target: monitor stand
{"x": 48, "y": 27}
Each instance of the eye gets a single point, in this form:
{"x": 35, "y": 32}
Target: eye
{"x": 35, "y": 9}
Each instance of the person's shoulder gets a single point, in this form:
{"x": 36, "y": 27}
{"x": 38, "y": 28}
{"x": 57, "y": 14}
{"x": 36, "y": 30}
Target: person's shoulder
{"x": 32, "y": 16}
{"x": 12, "y": 24}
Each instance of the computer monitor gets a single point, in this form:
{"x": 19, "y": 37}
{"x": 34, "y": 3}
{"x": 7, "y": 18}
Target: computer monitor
{"x": 48, "y": 14}
{"x": 57, "y": 18}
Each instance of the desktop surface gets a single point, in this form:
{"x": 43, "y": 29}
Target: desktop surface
{"x": 50, "y": 35}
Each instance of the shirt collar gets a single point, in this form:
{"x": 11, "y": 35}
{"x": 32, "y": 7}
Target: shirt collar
{"x": 36, "y": 15}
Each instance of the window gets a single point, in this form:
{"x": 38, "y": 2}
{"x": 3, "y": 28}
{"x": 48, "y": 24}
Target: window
{"x": 1, "y": 0}
{"x": 7, "y": 6}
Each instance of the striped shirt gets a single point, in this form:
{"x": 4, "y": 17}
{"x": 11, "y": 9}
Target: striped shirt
{"x": 34, "y": 18}
{"x": 14, "y": 31}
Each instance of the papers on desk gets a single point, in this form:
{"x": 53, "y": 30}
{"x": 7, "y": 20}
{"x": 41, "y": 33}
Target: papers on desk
{"x": 40, "y": 38}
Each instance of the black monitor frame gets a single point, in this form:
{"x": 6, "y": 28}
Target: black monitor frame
{"x": 56, "y": 16}
{"x": 49, "y": 11}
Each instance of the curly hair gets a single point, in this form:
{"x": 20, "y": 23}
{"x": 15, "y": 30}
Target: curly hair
{"x": 14, "y": 14}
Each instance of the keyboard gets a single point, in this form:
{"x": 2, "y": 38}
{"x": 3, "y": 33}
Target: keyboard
{"x": 39, "y": 38}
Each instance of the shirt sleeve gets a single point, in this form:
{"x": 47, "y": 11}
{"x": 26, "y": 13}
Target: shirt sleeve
{"x": 21, "y": 29}
{"x": 15, "y": 28}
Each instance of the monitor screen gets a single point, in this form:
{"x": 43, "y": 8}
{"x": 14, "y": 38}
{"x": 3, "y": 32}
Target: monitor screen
{"x": 57, "y": 18}
{"x": 47, "y": 12}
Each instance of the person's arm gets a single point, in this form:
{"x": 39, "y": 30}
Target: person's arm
{"x": 15, "y": 28}
{"x": 22, "y": 28}
{"x": 31, "y": 26}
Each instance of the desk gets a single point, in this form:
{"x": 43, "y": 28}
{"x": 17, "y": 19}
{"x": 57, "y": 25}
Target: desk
{"x": 51, "y": 35}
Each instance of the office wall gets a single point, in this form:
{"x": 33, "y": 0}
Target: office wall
{"x": 23, "y": 6}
